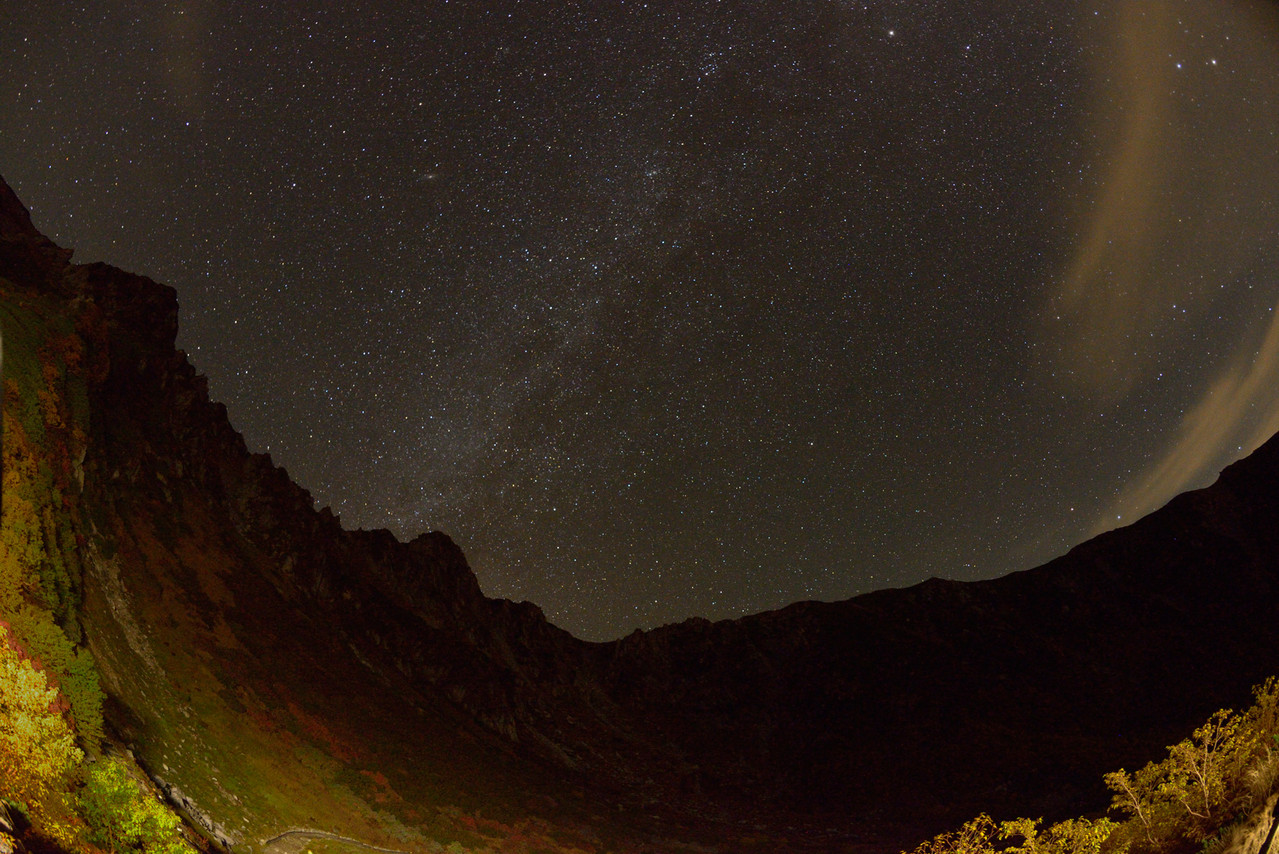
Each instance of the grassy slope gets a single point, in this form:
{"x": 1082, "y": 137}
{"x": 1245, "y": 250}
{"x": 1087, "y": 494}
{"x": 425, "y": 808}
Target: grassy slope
{"x": 261, "y": 715}
{"x": 258, "y": 714}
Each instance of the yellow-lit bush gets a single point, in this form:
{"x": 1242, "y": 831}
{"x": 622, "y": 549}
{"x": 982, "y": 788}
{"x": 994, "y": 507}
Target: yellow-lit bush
{"x": 1222, "y": 774}
{"x": 122, "y": 818}
{"x": 37, "y": 748}
{"x": 975, "y": 837}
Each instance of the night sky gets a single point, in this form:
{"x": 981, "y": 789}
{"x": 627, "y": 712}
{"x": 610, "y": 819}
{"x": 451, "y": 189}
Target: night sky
{"x": 690, "y": 308}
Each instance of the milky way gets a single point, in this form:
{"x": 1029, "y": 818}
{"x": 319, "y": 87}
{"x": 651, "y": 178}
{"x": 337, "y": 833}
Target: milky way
{"x": 695, "y": 308}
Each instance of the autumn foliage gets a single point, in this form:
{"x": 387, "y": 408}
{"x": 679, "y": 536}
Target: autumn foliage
{"x": 1213, "y": 782}
{"x": 37, "y": 748}
{"x": 50, "y": 694}
{"x": 122, "y": 819}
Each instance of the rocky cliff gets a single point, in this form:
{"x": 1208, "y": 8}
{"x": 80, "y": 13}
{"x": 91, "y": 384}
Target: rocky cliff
{"x": 247, "y": 639}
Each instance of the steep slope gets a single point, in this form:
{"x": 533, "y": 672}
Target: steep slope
{"x": 282, "y": 672}
{"x": 216, "y": 599}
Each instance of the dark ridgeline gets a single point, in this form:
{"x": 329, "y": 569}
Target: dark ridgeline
{"x": 920, "y": 706}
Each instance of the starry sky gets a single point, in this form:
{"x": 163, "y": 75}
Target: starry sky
{"x": 680, "y": 308}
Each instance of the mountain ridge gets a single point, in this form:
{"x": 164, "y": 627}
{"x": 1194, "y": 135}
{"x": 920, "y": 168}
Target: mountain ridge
{"x": 213, "y": 587}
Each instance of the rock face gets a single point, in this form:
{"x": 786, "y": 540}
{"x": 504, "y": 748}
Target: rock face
{"x": 921, "y": 705}
{"x": 178, "y": 799}
{"x": 28, "y": 256}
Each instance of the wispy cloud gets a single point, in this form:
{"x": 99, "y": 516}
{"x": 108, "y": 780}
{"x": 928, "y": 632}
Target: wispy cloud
{"x": 1172, "y": 251}
{"x": 1237, "y": 413}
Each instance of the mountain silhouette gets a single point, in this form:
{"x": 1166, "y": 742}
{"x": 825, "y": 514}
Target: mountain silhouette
{"x": 274, "y": 671}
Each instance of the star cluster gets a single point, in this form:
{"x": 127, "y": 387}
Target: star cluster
{"x": 664, "y": 309}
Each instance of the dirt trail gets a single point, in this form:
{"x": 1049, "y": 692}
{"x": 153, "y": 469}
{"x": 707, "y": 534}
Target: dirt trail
{"x": 295, "y": 842}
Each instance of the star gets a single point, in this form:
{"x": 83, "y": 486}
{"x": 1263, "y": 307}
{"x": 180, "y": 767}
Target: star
{"x": 669, "y": 312}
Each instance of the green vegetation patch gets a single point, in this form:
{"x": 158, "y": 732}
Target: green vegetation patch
{"x": 45, "y": 427}
{"x": 122, "y": 818}
{"x": 75, "y": 806}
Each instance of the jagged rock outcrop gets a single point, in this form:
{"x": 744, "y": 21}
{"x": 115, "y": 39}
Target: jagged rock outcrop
{"x": 182, "y": 802}
{"x": 9, "y": 825}
{"x": 28, "y": 256}
{"x": 922, "y": 705}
